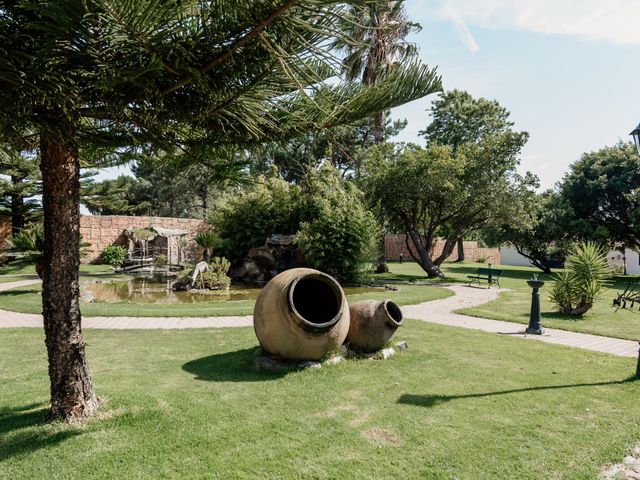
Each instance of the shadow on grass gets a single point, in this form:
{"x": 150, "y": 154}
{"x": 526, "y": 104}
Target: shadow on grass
{"x": 16, "y": 443}
{"x": 433, "y": 400}
{"x": 230, "y": 367}
{"x": 14, "y": 292}
{"x": 15, "y": 418}
{"x": 13, "y": 268}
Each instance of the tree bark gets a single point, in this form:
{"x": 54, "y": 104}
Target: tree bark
{"x": 424, "y": 255}
{"x": 382, "y": 266}
{"x": 72, "y": 394}
{"x": 460, "y": 250}
{"x": 17, "y": 215}
{"x": 447, "y": 250}
{"x": 538, "y": 259}
{"x": 378, "y": 128}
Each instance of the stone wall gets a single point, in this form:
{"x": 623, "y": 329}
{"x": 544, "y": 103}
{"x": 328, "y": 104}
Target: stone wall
{"x": 394, "y": 244}
{"x": 103, "y": 230}
{"x": 5, "y": 230}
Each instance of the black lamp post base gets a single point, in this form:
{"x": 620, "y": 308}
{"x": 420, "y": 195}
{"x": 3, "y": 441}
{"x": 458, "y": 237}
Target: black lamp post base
{"x": 535, "y": 331}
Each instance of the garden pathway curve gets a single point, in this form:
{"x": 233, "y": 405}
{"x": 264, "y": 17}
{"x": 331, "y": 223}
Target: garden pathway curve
{"x": 437, "y": 311}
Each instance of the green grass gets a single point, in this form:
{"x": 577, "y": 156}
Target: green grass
{"x": 21, "y": 270}
{"x": 28, "y": 300}
{"x": 512, "y": 277}
{"x": 187, "y": 404}
{"x": 514, "y": 306}
{"x": 17, "y": 269}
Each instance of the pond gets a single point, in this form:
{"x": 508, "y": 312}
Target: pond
{"x": 158, "y": 290}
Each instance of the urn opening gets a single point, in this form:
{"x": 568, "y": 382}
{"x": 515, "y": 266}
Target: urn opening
{"x": 394, "y": 312}
{"x": 316, "y": 300}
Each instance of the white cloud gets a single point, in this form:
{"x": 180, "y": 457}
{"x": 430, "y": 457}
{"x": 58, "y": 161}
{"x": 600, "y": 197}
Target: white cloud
{"x": 449, "y": 12}
{"x": 615, "y": 21}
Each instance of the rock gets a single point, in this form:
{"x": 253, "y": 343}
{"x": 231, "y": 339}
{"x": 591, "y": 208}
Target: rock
{"x": 629, "y": 460}
{"x": 271, "y": 364}
{"x": 391, "y": 288}
{"x": 309, "y": 364}
{"x": 636, "y": 451}
{"x": 402, "y": 346}
{"x": 262, "y": 257}
{"x": 387, "y": 353}
{"x": 343, "y": 350}
{"x": 279, "y": 253}
{"x": 336, "y": 359}
{"x": 612, "y": 471}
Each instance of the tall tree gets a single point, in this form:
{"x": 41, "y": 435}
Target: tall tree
{"x": 430, "y": 193}
{"x": 380, "y": 32}
{"x": 113, "y": 197}
{"x": 538, "y": 229}
{"x": 342, "y": 147}
{"x": 164, "y": 74}
{"x": 602, "y": 190}
{"x": 19, "y": 187}
{"x": 459, "y": 118}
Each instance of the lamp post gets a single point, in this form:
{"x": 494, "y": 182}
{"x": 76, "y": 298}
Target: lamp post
{"x": 636, "y": 137}
{"x": 535, "y": 326}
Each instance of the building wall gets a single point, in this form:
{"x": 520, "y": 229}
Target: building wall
{"x": 394, "y": 244}
{"x": 5, "y": 230}
{"x": 510, "y": 256}
{"x": 616, "y": 261}
{"x": 103, "y": 230}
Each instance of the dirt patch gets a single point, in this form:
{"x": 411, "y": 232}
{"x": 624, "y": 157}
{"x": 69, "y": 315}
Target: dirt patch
{"x": 380, "y": 435}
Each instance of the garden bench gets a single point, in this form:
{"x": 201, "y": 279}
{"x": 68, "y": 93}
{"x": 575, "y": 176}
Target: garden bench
{"x": 488, "y": 275}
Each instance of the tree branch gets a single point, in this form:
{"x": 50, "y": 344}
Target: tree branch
{"x": 225, "y": 55}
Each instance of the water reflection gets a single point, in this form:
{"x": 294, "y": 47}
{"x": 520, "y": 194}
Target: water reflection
{"x": 158, "y": 290}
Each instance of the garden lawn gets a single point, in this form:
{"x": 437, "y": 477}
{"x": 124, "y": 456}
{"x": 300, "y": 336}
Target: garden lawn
{"x": 187, "y": 404}
{"x": 28, "y": 300}
{"x": 22, "y": 271}
{"x": 514, "y": 306}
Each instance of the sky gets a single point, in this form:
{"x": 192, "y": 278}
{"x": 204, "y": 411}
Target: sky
{"x": 568, "y": 70}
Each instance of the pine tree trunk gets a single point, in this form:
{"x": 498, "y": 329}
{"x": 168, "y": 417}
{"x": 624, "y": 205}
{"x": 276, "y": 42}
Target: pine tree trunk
{"x": 17, "y": 216}
{"x": 72, "y": 394}
{"x": 378, "y": 127}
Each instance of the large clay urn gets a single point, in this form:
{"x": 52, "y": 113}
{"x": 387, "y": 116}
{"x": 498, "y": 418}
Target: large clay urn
{"x": 372, "y": 324}
{"x": 301, "y": 314}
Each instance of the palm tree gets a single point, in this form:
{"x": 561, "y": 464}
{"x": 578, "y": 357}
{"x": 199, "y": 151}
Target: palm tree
{"x": 207, "y": 240}
{"x": 135, "y": 75}
{"x": 380, "y": 32}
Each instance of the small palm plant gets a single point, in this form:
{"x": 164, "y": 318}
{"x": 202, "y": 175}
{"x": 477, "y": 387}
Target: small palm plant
{"x": 216, "y": 277}
{"x": 28, "y": 244}
{"x": 207, "y": 240}
{"x": 578, "y": 286}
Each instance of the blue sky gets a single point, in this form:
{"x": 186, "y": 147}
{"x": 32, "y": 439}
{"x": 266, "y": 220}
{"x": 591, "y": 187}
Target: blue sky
{"x": 568, "y": 70}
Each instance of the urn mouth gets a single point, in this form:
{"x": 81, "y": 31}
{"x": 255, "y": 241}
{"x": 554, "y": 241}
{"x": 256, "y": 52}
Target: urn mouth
{"x": 316, "y": 300}
{"x": 394, "y": 313}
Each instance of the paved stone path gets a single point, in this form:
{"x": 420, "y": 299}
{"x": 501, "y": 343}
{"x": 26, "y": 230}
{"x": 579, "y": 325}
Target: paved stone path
{"x": 441, "y": 312}
{"x": 437, "y": 311}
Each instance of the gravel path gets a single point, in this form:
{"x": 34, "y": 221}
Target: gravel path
{"x": 437, "y": 311}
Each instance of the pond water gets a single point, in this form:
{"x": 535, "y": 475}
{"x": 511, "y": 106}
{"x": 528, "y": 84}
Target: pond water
{"x": 158, "y": 290}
